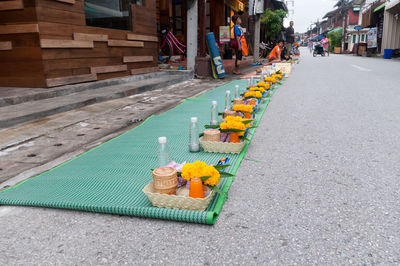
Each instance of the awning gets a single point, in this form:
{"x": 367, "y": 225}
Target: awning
{"x": 379, "y": 7}
{"x": 335, "y": 30}
{"x": 393, "y": 7}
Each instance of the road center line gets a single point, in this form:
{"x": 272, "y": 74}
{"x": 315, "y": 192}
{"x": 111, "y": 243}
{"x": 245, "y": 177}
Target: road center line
{"x": 361, "y": 68}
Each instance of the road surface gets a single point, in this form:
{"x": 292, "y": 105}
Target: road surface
{"x": 319, "y": 185}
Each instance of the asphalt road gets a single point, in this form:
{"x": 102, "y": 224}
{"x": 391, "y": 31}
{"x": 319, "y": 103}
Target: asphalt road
{"x": 320, "y": 185}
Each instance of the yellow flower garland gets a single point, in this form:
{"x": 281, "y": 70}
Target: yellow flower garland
{"x": 231, "y": 124}
{"x": 263, "y": 84}
{"x": 261, "y": 89}
{"x": 201, "y": 169}
{"x": 270, "y": 79}
{"x": 243, "y": 108}
{"x": 237, "y": 119}
{"x": 255, "y": 94}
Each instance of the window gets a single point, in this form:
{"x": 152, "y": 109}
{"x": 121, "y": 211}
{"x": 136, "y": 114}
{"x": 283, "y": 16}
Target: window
{"x": 354, "y": 38}
{"x": 113, "y": 14}
{"x": 362, "y": 37}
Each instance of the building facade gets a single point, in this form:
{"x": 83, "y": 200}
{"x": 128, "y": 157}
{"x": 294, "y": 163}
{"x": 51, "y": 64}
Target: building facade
{"x": 48, "y": 43}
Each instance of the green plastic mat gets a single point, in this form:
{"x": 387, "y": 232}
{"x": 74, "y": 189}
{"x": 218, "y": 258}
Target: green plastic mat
{"x": 110, "y": 177}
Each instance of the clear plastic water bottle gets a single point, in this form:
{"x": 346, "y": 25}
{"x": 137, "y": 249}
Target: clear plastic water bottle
{"x": 194, "y": 144}
{"x": 251, "y": 81}
{"x": 164, "y": 156}
{"x": 262, "y": 76}
{"x": 237, "y": 92}
{"x": 214, "y": 113}
{"x": 228, "y": 100}
{"x": 248, "y": 83}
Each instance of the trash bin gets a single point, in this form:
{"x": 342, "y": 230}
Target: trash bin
{"x": 387, "y": 53}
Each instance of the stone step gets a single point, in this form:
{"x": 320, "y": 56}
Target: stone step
{"x": 12, "y": 96}
{"x": 32, "y": 110}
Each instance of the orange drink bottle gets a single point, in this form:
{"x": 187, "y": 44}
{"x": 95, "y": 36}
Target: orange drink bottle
{"x": 196, "y": 188}
{"x": 234, "y": 137}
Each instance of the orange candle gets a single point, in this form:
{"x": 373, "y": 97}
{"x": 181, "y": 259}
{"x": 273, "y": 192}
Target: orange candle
{"x": 196, "y": 188}
{"x": 234, "y": 137}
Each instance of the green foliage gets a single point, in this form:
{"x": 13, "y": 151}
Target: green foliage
{"x": 335, "y": 39}
{"x": 273, "y": 20}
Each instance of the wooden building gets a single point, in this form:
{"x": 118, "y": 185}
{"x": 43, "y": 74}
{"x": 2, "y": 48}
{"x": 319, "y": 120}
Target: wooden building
{"x": 48, "y": 43}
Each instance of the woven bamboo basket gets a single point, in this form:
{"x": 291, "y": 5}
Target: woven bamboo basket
{"x": 165, "y": 180}
{"x": 180, "y": 201}
{"x": 237, "y": 101}
{"x": 212, "y": 135}
{"x": 222, "y": 147}
{"x": 229, "y": 113}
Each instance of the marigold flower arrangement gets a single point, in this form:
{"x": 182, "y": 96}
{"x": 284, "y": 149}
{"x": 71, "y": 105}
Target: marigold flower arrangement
{"x": 260, "y": 89}
{"x": 232, "y": 125}
{"x": 277, "y": 76}
{"x": 270, "y": 79}
{"x": 238, "y": 119}
{"x": 252, "y": 94}
{"x": 200, "y": 169}
{"x": 195, "y": 175}
{"x": 263, "y": 84}
{"x": 243, "y": 108}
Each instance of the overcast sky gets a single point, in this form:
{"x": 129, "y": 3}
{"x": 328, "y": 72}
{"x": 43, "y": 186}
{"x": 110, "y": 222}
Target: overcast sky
{"x": 307, "y": 11}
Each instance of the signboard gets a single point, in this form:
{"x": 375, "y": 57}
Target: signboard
{"x": 285, "y": 68}
{"x": 224, "y": 34}
{"x": 256, "y": 7}
{"x": 372, "y": 38}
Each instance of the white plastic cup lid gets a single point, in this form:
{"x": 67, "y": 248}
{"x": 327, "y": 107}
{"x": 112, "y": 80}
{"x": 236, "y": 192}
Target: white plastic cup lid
{"x": 214, "y": 102}
{"x": 162, "y": 140}
{"x": 193, "y": 119}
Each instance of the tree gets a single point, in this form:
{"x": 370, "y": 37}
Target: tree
{"x": 344, "y": 6}
{"x": 335, "y": 39}
{"x": 273, "y": 21}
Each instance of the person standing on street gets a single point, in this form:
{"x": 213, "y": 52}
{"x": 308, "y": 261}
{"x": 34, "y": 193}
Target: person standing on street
{"x": 310, "y": 46}
{"x": 238, "y": 35}
{"x": 325, "y": 44}
{"x": 290, "y": 37}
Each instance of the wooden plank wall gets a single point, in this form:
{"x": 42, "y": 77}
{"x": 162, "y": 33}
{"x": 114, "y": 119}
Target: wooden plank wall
{"x": 71, "y": 52}
{"x": 20, "y": 53}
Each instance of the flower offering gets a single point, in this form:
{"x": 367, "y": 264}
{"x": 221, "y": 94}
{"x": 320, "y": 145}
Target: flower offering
{"x": 243, "y": 108}
{"x": 260, "y": 89}
{"x": 252, "y": 94}
{"x": 270, "y": 79}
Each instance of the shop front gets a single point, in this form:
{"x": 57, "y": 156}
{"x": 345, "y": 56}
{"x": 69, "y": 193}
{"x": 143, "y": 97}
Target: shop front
{"x": 47, "y": 43}
{"x": 391, "y": 27}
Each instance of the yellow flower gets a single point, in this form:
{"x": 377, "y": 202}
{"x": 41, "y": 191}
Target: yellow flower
{"x": 277, "y": 76}
{"x": 213, "y": 174}
{"x": 233, "y": 125}
{"x": 263, "y": 84}
{"x": 243, "y": 108}
{"x": 254, "y": 94}
{"x": 270, "y": 79}
{"x": 261, "y": 89}
{"x": 201, "y": 169}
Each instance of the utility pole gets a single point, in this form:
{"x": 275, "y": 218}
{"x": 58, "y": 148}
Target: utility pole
{"x": 343, "y": 6}
{"x": 192, "y": 29}
{"x": 256, "y": 49}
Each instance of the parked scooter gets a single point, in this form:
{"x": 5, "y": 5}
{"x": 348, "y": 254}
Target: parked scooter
{"x": 318, "y": 49}
{"x": 265, "y": 49}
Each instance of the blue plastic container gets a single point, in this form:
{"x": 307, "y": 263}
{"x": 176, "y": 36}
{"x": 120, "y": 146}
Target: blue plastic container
{"x": 387, "y": 53}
